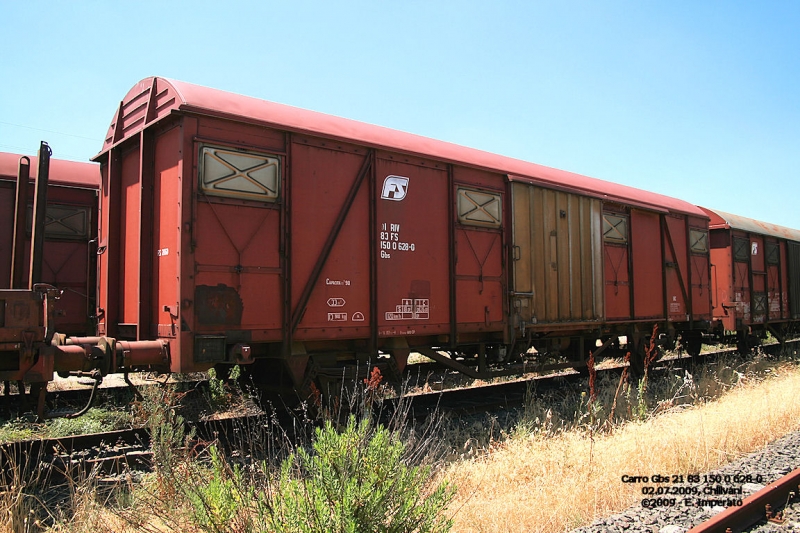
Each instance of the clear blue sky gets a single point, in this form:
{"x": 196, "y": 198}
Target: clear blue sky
{"x": 694, "y": 99}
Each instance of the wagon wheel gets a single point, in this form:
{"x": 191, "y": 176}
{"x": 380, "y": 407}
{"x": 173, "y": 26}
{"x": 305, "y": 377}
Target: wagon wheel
{"x": 581, "y": 353}
{"x": 636, "y": 344}
{"x": 692, "y": 343}
{"x": 745, "y": 342}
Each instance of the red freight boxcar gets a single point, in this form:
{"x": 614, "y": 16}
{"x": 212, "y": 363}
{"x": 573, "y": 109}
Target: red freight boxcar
{"x": 755, "y": 276}
{"x": 70, "y": 225}
{"x": 235, "y": 230}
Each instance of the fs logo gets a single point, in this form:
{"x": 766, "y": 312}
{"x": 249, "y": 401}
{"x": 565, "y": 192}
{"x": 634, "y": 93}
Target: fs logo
{"x": 394, "y": 188}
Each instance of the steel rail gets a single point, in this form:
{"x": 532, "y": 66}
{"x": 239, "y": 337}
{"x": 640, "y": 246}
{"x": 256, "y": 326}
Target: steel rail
{"x": 756, "y": 507}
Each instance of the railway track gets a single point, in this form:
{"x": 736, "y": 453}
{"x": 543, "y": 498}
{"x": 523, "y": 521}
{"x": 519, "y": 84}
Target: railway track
{"x": 765, "y": 505}
{"x": 113, "y": 452}
{"x": 732, "y": 497}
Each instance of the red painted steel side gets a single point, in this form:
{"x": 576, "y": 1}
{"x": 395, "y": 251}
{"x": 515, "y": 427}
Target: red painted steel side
{"x": 360, "y": 246}
{"x": 339, "y": 302}
{"x": 413, "y": 268}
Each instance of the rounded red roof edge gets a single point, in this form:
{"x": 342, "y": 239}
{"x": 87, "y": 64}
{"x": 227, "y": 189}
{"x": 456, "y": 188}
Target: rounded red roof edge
{"x": 724, "y": 220}
{"x": 63, "y": 172}
{"x": 154, "y": 97}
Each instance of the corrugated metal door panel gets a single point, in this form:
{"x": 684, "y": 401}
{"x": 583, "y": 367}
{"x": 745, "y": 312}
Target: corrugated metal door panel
{"x": 523, "y": 271}
{"x": 586, "y": 257}
{"x": 794, "y": 279}
{"x": 546, "y": 205}
{"x": 557, "y": 252}
{"x": 595, "y": 243}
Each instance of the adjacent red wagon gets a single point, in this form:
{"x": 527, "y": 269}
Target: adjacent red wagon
{"x": 236, "y": 230}
{"x": 70, "y": 227}
{"x": 756, "y": 278}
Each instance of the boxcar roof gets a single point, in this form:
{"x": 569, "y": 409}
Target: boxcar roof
{"x": 723, "y": 220}
{"x": 72, "y": 173}
{"x": 154, "y": 98}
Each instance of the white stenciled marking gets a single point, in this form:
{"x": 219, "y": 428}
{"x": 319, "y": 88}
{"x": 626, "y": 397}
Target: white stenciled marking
{"x": 410, "y": 309}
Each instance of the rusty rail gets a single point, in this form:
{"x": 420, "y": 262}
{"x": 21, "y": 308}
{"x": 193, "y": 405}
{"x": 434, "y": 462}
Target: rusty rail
{"x": 754, "y": 508}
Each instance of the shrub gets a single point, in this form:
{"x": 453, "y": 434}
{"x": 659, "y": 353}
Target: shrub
{"x": 219, "y": 503}
{"x": 355, "y": 480}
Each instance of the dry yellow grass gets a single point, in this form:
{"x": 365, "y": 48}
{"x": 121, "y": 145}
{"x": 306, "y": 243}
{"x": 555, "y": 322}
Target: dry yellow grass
{"x": 548, "y": 484}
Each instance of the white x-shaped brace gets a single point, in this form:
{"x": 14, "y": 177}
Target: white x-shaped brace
{"x": 243, "y": 173}
{"x": 480, "y": 207}
{"x": 614, "y": 229}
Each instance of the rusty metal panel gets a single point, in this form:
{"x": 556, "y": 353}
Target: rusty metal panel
{"x": 22, "y": 316}
{"x": 794, "y": 278}
{"x": 557, "y": 251}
